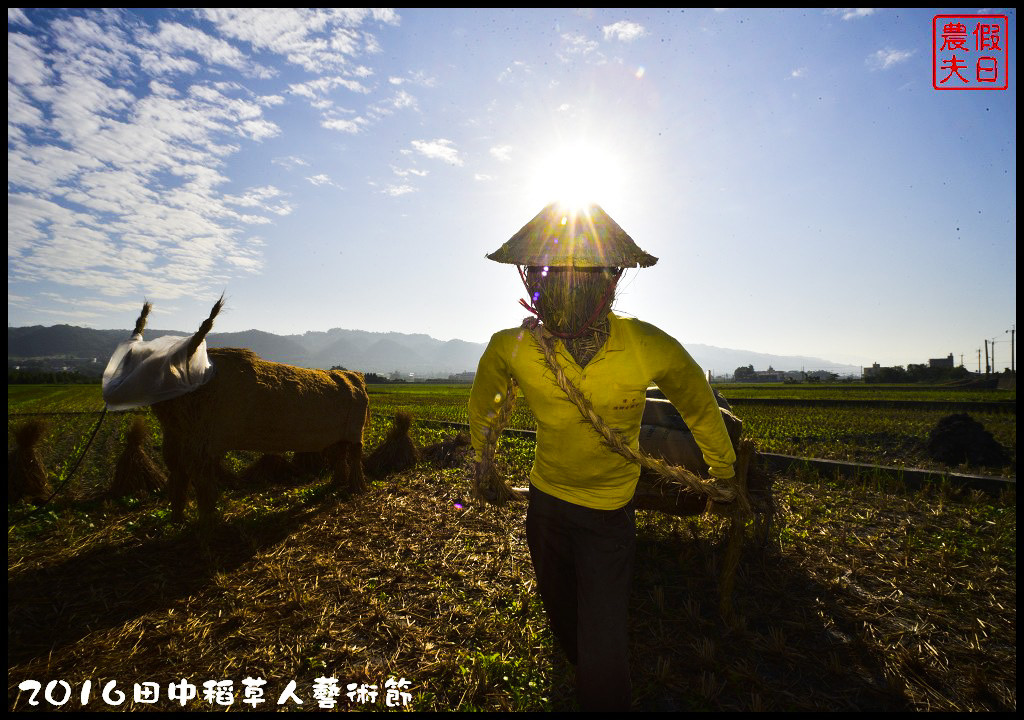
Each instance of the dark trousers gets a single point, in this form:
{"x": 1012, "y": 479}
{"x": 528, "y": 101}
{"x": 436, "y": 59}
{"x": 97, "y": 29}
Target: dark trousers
{"x": 584, "y": 564}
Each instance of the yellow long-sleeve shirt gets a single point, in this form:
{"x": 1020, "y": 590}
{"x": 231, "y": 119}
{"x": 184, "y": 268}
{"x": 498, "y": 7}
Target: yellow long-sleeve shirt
{"x": 571, "y": 461}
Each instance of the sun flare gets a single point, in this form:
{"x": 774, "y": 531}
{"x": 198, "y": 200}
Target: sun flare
{"x": 577, "y": 175}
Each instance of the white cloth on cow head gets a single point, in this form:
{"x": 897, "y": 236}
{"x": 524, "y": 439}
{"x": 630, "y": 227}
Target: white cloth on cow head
{"x": 143, "y": 372}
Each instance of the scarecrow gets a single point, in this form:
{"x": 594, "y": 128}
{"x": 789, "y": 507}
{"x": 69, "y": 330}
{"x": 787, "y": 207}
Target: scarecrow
{"x": 584, "y": 372}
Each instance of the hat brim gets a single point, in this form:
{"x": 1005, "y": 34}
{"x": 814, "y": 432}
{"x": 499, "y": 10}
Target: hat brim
{"x": 585, "y": 238}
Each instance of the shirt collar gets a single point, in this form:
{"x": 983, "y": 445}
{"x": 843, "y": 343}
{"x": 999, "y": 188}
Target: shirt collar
{"x": 614, "y": 343}
{"x": 615, "y": 340}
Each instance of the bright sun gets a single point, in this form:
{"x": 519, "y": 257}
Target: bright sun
{"x": 578, "y": 174}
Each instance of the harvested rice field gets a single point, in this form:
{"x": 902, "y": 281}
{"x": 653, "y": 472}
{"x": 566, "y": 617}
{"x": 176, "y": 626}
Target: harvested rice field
{"x": 865, "y": 597}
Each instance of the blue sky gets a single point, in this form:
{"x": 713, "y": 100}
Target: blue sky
{"x": 806, "y": 189}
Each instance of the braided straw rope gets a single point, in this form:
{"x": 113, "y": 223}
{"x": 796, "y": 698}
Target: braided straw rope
{"x": 488, "y": 485}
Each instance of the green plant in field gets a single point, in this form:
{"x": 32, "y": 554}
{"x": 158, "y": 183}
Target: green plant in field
{"x": 514, "y": 679}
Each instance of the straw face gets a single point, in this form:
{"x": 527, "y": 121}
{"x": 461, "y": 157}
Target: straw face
{"x": 558, "y": 237}
{"x": 567, "y": 299}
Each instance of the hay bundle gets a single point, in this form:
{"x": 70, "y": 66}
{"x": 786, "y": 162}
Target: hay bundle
{"x": 26, "y": 476}
{"x": 960, "y": 439}
{"x": 448, "y": 453}
{"x": 397, "y": 452}
{"x": 271, "y": 468}
{"x": 135, "y": 473}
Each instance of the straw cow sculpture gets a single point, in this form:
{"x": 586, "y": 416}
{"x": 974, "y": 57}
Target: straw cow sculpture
{"x": 255, "y": 405}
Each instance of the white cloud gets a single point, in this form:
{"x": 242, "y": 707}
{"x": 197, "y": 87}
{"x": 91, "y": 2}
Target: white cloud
{"x": 158, "y": 88}
{"x": 576, "y": 44}
{"x": 291, "y": 162}
{"x": 623, "y": 31}
{"x": 172, "y": 38}
{"x": 885, "y": 59}
{"x": 385, "y": 15}
{"x": 406, "y": 172}
{"x": 260, "y": 197}
{"x": 120, "y": 188}
{"x": 259, "y": 129}
{"x": 438, "y": 149}
{"x": 422, "y": 79}
{"x": 799, "y": 72}
{"x": 20, "y": 110}
{"x": 403, "y": 100}
{"x": 124, "y": 134}
{"x": 481, "y": 177}
{"x": 348, "y": 126}
{"x": 321, "y": 86}
{"x": 370, "y": 43}
{"x": 502, "y": 152}
{"x": 26, "y": 64}
{"x": 515, "y": 71}
{"x": 15, "y": 16}
{"x": 852, "y": 13}
{"x": 315, "y": 39}
{"x": 316, "y": 90}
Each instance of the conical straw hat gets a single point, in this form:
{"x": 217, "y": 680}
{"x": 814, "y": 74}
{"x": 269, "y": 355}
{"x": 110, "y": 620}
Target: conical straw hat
{"x": 559, "y": 237}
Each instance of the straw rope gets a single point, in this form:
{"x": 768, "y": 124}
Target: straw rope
{"x": 488, "y": 485}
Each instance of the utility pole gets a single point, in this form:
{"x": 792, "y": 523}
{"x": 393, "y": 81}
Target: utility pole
{"x": 961, "y": 359}
{"x": 979, "y": 361}
{"x": 1013, "y": 364}
{"x": 987, "y": 366}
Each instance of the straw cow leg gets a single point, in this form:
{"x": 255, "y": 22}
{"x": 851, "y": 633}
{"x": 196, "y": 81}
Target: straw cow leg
{"x": 193, "y": 466}
{"x": 346, "y": 461}
{"x": 207, "y": 487}
{"x": 177, "y": 478}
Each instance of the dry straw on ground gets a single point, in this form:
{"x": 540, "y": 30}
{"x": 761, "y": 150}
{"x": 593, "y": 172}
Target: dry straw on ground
{"x": 863, "y": 599}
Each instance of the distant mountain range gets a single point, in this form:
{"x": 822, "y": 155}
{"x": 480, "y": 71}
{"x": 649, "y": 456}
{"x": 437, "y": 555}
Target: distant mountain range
{"x": 361, "y": 350}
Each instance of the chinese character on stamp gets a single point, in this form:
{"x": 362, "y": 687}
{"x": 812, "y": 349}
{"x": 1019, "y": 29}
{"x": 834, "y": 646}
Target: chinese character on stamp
{"x": 970, "y": 52}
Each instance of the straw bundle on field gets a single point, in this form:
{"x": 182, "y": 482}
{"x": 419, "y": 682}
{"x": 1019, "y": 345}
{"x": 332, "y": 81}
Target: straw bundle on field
{"x": 448, "y": 453}
{"x": 26, "y": 477}
{"x": 135, "y": 473}
{"x": 960, "y": 439}
{"x": 397, "y": 452}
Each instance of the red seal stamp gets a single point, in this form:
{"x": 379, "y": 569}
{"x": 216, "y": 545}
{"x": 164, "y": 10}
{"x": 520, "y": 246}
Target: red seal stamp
{"x": 970, "y": 52}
